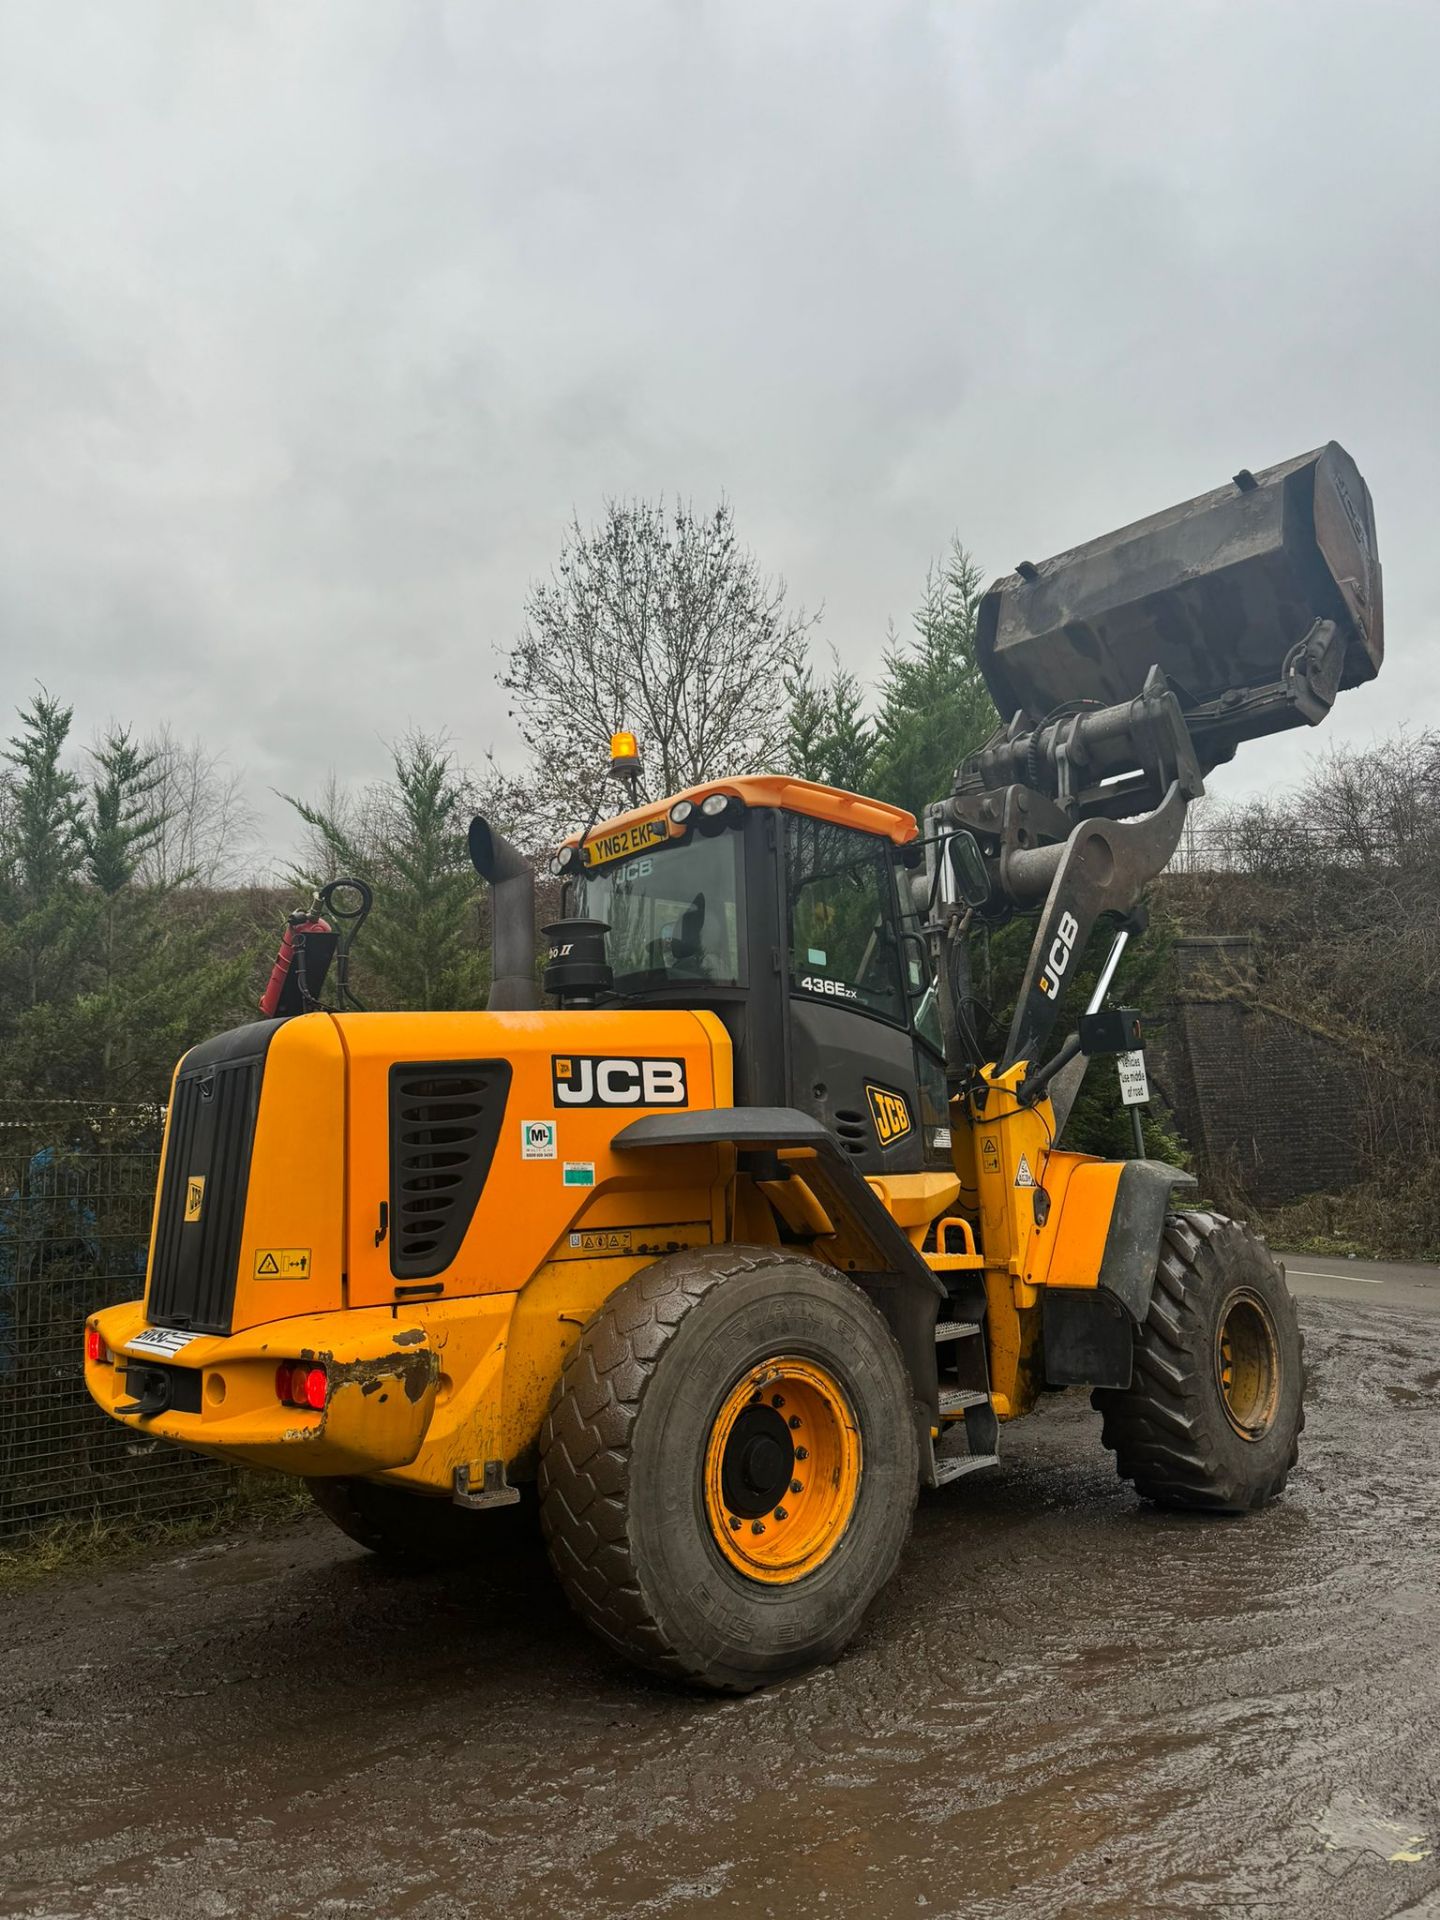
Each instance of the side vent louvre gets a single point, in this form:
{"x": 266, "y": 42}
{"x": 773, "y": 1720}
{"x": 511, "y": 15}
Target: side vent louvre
{"x": 852, "y": 1129}
{"x": 445, "y": 1119}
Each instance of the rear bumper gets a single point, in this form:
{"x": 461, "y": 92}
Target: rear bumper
{"x": 381, "y": 1374}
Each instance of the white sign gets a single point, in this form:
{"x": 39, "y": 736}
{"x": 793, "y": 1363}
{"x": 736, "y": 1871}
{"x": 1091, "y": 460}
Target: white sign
{"x": 162, "y": 1340}
{"x": 1134, "y": 1087}
{"x": 1023, "y": 1176}
{"x": 537, "y": 1139}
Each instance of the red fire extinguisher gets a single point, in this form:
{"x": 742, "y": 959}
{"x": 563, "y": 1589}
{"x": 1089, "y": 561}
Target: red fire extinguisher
{"x": 303, "y": 921}
{"x": 308, "y": 945}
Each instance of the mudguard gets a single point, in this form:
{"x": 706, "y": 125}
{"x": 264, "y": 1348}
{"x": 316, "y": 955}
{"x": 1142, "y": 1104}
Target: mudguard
{"x": 1089, "y": 1333}
{"x": 896, "y": 1277}
{"x": 1132, "y": 1246}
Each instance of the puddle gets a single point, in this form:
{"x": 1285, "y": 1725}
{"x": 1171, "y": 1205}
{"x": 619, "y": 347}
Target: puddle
{"x": 1348, "y": 1826}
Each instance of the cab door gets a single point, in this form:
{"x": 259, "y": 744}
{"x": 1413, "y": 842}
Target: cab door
{"x": 852, "y": 1051}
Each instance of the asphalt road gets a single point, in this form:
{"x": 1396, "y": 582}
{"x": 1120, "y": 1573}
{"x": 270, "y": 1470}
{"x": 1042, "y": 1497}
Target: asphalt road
{"x": 1066, "y": 1705}
{"x": 1380, "y": 1283}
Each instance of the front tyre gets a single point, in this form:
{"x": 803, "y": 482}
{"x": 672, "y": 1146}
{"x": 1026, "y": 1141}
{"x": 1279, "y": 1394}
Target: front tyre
{"x": 729, "y": 1466}
{"x": 1213, "y": 1416}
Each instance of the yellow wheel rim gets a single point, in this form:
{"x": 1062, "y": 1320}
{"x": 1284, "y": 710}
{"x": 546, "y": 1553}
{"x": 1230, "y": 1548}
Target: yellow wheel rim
{"x": 782, "y": 1469}
{"x": 1247, "y": 1364}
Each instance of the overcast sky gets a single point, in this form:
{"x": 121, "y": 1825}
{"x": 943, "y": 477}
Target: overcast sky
{"x": 318, "y": 320}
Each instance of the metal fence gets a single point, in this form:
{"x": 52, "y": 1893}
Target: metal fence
{"x": 77, "y": 1182}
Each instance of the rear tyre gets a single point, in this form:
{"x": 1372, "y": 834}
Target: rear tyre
{"x": 1213, "y": 1416}
{"x": 415, "y": 1531}
{"x": 729, "y": 1466}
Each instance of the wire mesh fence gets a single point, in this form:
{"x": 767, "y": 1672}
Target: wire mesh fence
{"x": 77, "y": 1182}
{"x": 1243, "y": 844}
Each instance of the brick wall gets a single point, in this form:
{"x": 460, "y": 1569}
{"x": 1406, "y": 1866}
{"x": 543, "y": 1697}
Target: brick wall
{"x": 1265, "y": 1104}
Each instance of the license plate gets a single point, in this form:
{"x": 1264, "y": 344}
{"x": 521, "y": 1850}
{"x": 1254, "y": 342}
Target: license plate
{"x": 625, "y": 841}
{"x": 166, "y": 1341}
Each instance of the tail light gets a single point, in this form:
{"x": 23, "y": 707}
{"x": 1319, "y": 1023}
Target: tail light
{"x": 300, "y": 1385}
{"x": 95, "y": 1347}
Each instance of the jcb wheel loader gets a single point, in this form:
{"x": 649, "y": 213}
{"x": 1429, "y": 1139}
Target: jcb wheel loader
{"x": 745, "y": 1237}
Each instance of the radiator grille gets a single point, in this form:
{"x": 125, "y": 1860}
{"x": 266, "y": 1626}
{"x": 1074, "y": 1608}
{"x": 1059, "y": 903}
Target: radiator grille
{"x": 852, "y": 1130}
{"x": 445, "y": 1119}
{"x": 212, "y": 1128}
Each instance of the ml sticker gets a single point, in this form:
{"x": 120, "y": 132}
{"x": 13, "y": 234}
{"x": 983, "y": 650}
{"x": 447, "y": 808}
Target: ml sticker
{"x": 194, "y": 1197}
{"x": 579, "y": 1173}
{"x": 537, "y": 1139}
{"x": 602, "y": 1240}
{"x": 282, "y": 1263}
{"x": 990, "y": 1153}
{"x": 162, "y": 1340}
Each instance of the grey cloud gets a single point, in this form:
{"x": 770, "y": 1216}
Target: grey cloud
{"x": 317, "y": 321}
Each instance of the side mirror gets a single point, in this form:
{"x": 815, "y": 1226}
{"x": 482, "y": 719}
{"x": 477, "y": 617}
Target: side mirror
{"x": 967, "y": 868}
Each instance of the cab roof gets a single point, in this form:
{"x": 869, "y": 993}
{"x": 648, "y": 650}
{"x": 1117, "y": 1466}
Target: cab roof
{"x": 834, "y": 804}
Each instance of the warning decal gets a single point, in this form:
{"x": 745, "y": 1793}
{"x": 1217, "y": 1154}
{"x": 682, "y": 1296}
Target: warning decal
{"x": 1023, "y": 1176}
{"x": 282, "y": 1263}
{"x": 990, "y": 1153}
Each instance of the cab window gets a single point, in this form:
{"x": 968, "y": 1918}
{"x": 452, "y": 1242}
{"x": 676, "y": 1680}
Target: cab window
{"x": 673, "y": 914}
{"x": 841, "y": 909}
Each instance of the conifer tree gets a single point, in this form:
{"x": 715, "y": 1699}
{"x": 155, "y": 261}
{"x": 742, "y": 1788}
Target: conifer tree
{"x": 422, "y": 946}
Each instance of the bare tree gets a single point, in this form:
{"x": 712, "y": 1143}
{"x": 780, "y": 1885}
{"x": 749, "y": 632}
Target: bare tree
{"x": 207, "y": 835}
{"x": 338, "y": 816}
{"x": 660, "y": 621}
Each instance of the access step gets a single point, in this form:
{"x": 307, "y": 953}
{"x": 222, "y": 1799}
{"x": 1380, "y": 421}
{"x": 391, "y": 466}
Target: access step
{"x": 956, "y": 1330}
{"x": 954, "y": 1400}
{"x": 948, "y": 1470}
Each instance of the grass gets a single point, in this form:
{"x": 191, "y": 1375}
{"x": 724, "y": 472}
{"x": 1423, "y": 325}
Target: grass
{"x": 1395, "y": 1216}
{"x": 93, "y": 1541}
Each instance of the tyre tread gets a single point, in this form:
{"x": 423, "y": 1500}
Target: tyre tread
{"x": 585, "y": 1444}
{"x": 1157, "y": 1427}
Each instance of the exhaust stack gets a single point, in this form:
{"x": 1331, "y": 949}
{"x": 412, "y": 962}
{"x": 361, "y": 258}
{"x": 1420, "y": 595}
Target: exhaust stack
{"x": 513, "y": 986}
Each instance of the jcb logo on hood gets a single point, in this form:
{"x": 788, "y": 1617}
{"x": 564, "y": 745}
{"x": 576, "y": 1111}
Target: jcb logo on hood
{"x": 608, "y": 1080}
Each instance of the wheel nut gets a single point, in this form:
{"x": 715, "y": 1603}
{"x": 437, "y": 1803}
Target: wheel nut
{"x": 734, "y": 1524}
{"x": 802, "y": 1453}
{"x": 780, "y": 1514}
{"x": 777, "y": 1399}
{"x": 757, "y": 1526}
{"x": 794, "y": 1420}
{"x": 796, "y": 1487}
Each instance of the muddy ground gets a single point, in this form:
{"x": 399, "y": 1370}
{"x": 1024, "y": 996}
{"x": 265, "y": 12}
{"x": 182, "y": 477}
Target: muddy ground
{"x": 1066, "y": 1705}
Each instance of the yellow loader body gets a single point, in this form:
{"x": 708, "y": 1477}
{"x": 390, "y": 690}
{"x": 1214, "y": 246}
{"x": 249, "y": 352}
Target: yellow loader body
{"x": 730, "y": 1252}
{"x": 429, "y": 1376}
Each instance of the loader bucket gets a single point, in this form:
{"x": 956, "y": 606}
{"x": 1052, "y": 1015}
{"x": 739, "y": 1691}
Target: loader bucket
{"x": 1215, "y": 592}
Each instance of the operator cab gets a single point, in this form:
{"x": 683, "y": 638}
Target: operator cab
{"x": 784, "y": 908}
